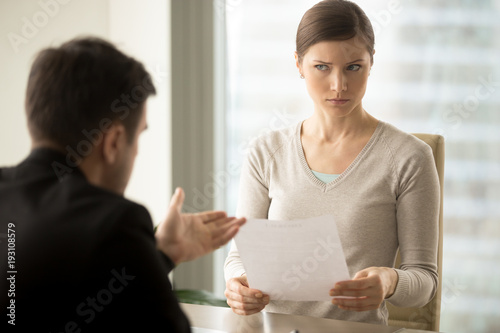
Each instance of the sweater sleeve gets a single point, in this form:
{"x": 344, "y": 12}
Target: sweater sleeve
{"x": 417, "y": 222}
{"x": 253, "y": 202}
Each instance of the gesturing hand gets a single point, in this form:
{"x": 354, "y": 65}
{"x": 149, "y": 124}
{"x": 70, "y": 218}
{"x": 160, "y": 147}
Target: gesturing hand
{"x": 185, "y": 237}
{"x": 369, "y": 288}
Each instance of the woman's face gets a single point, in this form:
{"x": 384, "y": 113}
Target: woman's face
{"x": 336, "y": 74}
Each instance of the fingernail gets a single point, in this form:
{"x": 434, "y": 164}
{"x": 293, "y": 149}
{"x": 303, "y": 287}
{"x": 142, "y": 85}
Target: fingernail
{"x": 259, "y": 295}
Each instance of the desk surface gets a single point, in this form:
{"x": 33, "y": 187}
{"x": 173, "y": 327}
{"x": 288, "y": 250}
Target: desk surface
{"x": 223, "y": 319}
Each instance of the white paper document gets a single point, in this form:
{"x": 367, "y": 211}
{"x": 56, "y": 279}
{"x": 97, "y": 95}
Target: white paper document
{"x": 298, "y": 260}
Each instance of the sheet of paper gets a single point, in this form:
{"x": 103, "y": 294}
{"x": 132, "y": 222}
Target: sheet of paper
{"x": 298, "y": 260}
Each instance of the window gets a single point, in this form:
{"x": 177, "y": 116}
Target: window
{"x": 435, "y": 70}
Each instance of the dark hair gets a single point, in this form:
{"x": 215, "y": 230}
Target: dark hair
{"x": 334, "y": 20}
{"x": 80, "y": 86}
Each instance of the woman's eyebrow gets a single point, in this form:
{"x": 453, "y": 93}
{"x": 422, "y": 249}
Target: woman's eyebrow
{"x": 323, "y": 62}
{"x": 357, "y": 60}
{"x": 329, "y": 63}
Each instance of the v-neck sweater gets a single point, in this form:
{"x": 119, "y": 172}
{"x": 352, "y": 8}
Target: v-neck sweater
{"x": 388, "y": 197}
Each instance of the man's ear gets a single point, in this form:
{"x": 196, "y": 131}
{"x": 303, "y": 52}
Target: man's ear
{"x": 113, "y": 143}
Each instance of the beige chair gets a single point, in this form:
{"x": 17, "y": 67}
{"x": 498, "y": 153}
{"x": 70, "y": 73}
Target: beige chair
{"x": 426, "y": 317}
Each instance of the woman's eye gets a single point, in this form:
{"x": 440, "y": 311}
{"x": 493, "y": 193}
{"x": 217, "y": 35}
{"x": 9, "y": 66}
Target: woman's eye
{"x": 321, "y": 67}
{"x": 353, "y": 68}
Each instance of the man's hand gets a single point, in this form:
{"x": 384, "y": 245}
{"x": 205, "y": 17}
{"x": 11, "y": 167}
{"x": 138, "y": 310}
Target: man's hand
{"x": 369, "y": 288}
{"x": 242, "y": 299}
{"x": 184, "y": 237}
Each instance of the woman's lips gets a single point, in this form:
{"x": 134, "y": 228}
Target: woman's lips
{"x": 338, "y": 101}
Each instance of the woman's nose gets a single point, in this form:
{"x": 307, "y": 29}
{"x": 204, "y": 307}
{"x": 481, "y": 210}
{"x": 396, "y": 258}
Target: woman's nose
{"x": 338, "y": 82}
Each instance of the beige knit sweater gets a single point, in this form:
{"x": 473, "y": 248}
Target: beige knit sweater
{"x": 387, "y": 197}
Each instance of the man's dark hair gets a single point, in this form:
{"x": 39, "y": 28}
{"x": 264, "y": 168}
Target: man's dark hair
{"x": 82, "y": 86}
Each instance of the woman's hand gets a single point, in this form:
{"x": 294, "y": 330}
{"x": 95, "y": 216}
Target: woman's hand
{"x": 369, "y": 287}
{"x": 242, "y": 299}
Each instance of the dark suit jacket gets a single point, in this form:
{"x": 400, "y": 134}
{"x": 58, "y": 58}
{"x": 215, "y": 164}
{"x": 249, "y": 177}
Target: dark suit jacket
{"x": 86, "y": 258}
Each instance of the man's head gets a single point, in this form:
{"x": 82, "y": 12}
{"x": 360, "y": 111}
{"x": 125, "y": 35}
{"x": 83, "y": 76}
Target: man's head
{"x": 87, "y": 99}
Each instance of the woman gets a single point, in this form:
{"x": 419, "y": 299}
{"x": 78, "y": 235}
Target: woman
{"x": 379, "y": 183}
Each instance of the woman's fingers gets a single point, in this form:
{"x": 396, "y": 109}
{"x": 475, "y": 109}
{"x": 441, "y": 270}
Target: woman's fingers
{"x": 245, "y": 305}
{"x": 242, "y": 299}
{"x": 240, "y": 286}
{"x": 235, "y": 297}
{"x": 246, "y": 312}
{"x": 363, "y": 293}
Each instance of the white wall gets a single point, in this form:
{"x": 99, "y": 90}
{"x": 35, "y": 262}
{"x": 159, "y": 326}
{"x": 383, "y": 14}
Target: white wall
{"x": 142, "y": 29}
{"x": 147, "y": 37}
{"x": 63, "y": 21}
{"x": 138, "y": 28}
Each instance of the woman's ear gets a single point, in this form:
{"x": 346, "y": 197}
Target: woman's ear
{"x": 298, "y": 63}
{"x": 113, "y": 142}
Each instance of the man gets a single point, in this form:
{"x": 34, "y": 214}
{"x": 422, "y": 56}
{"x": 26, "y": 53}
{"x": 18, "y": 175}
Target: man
{"x": 81, "y": 257}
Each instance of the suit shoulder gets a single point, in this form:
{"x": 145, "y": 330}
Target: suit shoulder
{"x": 111, "y": 208}
{"x": 7, "y": 173}
{"x": 131, "y": 210}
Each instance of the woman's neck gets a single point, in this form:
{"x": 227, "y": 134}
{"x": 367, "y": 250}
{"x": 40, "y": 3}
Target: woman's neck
{"x": 327, "y": 128}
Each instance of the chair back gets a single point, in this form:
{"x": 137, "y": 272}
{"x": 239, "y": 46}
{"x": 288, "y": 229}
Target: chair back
{"x": 426, "y": 317}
